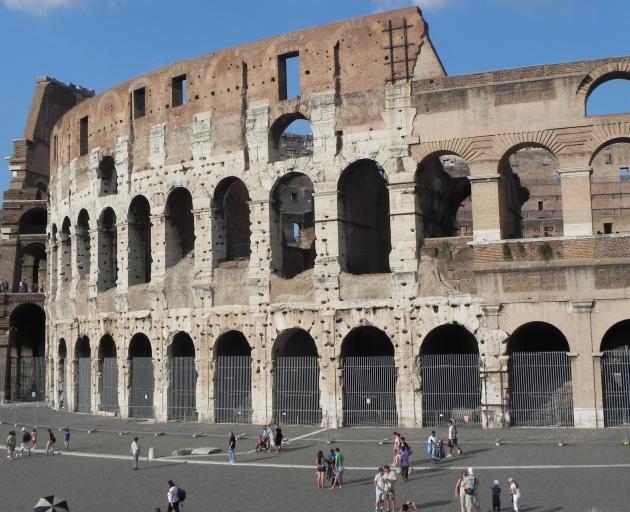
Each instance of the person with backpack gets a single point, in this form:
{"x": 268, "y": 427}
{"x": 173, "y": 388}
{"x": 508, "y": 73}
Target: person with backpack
{"x": 515, "y": 492}
{"x": 175, "y": 496}
{"x": 459, "y": 491}
{"x": 26, "y": 442}
{"x": 50, "y": 443}
{"x": 471, "y": 489}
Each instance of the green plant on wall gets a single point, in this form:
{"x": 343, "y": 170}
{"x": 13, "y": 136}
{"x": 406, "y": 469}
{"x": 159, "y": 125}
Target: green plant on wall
{"x": 507, "y": 252}
{"x": 545, "y": 251}
{"x": 520, "y": 249}
{"x": 445, "y": 249}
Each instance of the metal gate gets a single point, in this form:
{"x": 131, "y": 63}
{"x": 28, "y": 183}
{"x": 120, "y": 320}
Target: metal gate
{"x": 233, "y": 390}
{"x": 541, "y": 393}
{"x": 142, "y": 384}
{"x": 183, "y": 382}
{"x": 28, "y": 378}
{"x": 109, "y": 385}
{"x": 616, "y": 380}
{"x": 296, "y": 385}
{"x": 84, "y": 389}
{"x": 369, "y": 391}
{"x": 451, "y": 388}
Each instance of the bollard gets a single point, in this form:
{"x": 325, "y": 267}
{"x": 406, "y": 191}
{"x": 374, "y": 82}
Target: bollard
{"x": 151, "y": 453}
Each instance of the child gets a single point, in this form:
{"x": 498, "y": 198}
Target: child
{"x": 66, "y": 438}
{"x": 496, "y": 496}
{"x": 34, "y": 438}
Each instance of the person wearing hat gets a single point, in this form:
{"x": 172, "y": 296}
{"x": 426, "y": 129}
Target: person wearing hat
{"x": 26, "y": 442}
{"x": 471, "y": 489}
{"x": 496, "y": 496}
{"x": 515, "y": 492}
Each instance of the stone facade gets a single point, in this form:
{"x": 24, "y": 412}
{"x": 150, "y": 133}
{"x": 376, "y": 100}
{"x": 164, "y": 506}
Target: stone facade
{"x": 151, "y": 189}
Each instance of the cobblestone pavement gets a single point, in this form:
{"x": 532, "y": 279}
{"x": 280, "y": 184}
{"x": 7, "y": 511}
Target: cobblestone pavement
{"x": 589, "y": 473}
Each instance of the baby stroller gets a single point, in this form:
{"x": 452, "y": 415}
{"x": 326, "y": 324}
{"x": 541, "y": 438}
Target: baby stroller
{"x": 263, "y": 443}
{"x": 437, "y": 451}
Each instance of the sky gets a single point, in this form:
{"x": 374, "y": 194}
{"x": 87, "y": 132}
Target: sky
{"x": 100, "y": 43}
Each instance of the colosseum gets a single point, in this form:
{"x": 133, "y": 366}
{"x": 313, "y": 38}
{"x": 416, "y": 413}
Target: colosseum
{"x": 422, "y": 246}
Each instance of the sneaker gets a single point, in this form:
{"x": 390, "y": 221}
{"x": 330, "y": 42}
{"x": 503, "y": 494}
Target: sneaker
{"x": 459, "y": 452}
{"x": 450, "y": 455}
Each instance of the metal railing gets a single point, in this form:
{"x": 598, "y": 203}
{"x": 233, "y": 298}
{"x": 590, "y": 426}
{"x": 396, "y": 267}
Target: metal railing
{"x": 296, "y": 397}
{"x": 616, "y": 383}
{"x": 233, "y": 391}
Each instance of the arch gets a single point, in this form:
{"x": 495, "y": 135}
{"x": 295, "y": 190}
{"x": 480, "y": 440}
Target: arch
{"x": 139, "y": 245}
{"x": 363, "y": 211}
{"x": 62, "y": 349}
{"x": 296, "y": 397}
{"x": 537, "y": 337}
{"x": 108, "y": 375}
{"x": 82, "y": 348}
{"x": 443, "y": 196}
{"x": 180, "y": 226}
{"x": 33, "y": 222}
{"x": 617, "y": 337}
{"x": 615, "y": 346}
{"x": 53, "y": 259}
{"x": 182, "y": 378}
{"x": 292, "y": 220}
{"x": 31, "y": 266}
{"x": 450, "y": 376}
{"x": 83, "y": 382}
{"x": 233, "y": 370}
{"x": 108, "y": 250}
{"x": 290, "y": 136}
{"x": 82, "y": 231}
{"x": 107, "y": 175}
{"x": 142, "y": 382}
{"x": 65, "y": 240}
{"x": 231, "y": 226}
{"x": 366, "y": 341}
{"x": 607, "y": 97}
{"x": 602, "y": 74}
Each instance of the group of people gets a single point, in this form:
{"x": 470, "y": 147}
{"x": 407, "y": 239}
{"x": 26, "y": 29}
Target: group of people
{"x": 330, "y": 468}
{"x": 435, "y": 446}
{"x": 29, "y": 442}
{"x": 467, "y": 490}
{"x": 22, "y": 287}
{"x": 270, "y": 439}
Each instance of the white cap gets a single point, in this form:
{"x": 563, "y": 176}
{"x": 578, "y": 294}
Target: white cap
{"x": 496, "y": 482}
{"x": 471, "y": 471}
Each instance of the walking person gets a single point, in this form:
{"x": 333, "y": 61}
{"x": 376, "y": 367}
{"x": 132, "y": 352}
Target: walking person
{"x": 379, "y": 488}
{"x": 34, "y": 438}
{"x": 339, "y": 469}
{"x": 10, "y": 444}
{"x": 397, "y": 448}
{"x": 515, "y": 492}
{"x": 232, "y": 448}
{"x": 135, "y": 452}
{"x": 459, "y": 491}
{"x": 50, "y": 450}
{"x": 272, "y": 437}
{"x": 66, "y": 438}
{"x": 471, "y": 488}
{"x": 173, "y": 497}
{"x": 404, "y": 462}
{"x": 496, "y": 496}
{"x": 452, "y": 439}
{"x": 26, "y": 442}
{"x": 277, "y": 440}
{"x": 320, "y": 469}
{"x": 389, "y": 499}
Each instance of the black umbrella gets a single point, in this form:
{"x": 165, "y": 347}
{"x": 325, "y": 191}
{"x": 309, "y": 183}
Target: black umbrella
{"x": 51, "y": 504}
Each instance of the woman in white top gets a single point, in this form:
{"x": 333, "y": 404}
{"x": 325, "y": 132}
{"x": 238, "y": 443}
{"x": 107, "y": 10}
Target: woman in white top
{"x": 515, "y": 491}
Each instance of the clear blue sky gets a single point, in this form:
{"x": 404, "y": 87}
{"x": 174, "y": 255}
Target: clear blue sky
{"x": 99, "y": 43}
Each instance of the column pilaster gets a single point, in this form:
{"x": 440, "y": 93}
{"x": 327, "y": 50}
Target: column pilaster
{"x": 577, "y": 210}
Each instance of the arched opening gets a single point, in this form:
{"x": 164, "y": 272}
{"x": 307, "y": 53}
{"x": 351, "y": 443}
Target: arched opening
{"x": 610, "y": 187}
{"x": 540, "y": 387}
{"x": 296, "y": 379}
{"x": 53, "y": 259}
{"x": 107, "y": 251}
{"x": 62, "y": 388}
{"x": 182, "y": 378}
{"x": 31, "y": 267}
{"x": 369, "y": 378}
{"x": 233, "y": 379}
{"x": 363, "y": 211}
{"x": 25, "y": 365}
{"x": 180, "y": 226}
{"x": 231, "y": 224}
{"x": 107, "y": 176}
{"x": 610, "y": 95}
{"x": 139, "y": 246}
{"x": 41, "y": 191}
{"x": 292, "y": 225}
{"x": 108, "y": 375}
{"x": 33, "y": 222}
{"x": 616, "y": 374}
{"x": 65, "y": 241}
{"x": 142, "y": 382}
{"x": 82, "y": 230}
{"x": 83, "y": 361}
{"x": 512, "y": 194}
{"x": 290, "y": 137}
{"x": 443, "y": 196}
{"x": 450, "y": 377}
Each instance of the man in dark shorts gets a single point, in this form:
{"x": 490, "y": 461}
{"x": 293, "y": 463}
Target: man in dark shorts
{"x": 452, "y": 439}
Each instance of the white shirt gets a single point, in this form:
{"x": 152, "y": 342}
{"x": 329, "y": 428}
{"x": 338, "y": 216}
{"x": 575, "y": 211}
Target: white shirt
{"x": 390, "y": 479}
{"x": 379, "y": 482}
{"x": 515, "y": 491}
{"x": 135, "y": 448}
{"x": 432, "y": 440}
{"x": 173, "y": 494}
{"x": 452, "y": 432}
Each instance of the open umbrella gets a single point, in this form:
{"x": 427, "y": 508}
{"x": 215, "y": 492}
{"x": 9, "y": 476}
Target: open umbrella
{"x": 51, "y": 504}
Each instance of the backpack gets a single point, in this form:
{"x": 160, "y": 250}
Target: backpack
{"x": 470, "y": 491}
{"x": 181, "y": 494}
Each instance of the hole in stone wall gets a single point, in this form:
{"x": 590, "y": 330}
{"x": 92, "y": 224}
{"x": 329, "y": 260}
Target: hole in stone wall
{"x": 108, "y": 177}
{"x": 83, "y": 136}
{"x": 290, "y": 137}
{"x": 289, "y": 86}
{"x": 179, "y": 87}
{"x": 139, "y": 250}
{"x": 231, "y": 226}
{"x": 107, "y": 251}
{"x": 180, "y": 226}
{"x": 82, "y": 230}
{"x": 139, "y": 103}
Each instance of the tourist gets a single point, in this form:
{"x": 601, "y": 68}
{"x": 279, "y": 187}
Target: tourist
{"x": 272, "y": 437}
{"x": 26, "y": 442}
{"x": 232, "y": 448}
{"x": 330, "y": 466}
{"x": 389, "y": 498}
{"x": 404, "y": 462}
{"x": 515, "y": 492}
{"x": 173, "y": 497}
{"x": 396, "y": 461}
{"x": 135, "y": 452}
{"x": 50, "y": 443}
{"x": 277, "y": 440}
{"x": 471, "y": 488}
{"x": 339, "y": 469}
{"x": 10, "y": 444}
{"x": 66, "y": 438}
{"x": 320, "y": 468}
{"x": 459, "y": 491}
{"x": 34, "y": 438}
{"x": 379, "y": 488}
{"x": 496, "y": 496}
{"x": 452, "y": 439}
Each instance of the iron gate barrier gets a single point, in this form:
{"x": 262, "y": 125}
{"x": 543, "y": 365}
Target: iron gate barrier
{"x": 369, "y": 391}
{"x": 182, "y": 389}
{"x": 142, "y": 384}
{"x": 233, "y": 390}
{"x": 296, "y": 386}
{"x": 451, "y": 388}
{"x": 28, "y": 378}
{"x": 84, "y": 389}
{"x": 541, "y": 392}
{"x": 616, "y": 380}
{"x": 109, "y": 385}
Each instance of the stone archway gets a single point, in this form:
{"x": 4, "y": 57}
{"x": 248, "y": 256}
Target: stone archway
{"x": 233, "y": 379}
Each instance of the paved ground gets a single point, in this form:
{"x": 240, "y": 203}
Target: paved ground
{"x": 589, "y": 473}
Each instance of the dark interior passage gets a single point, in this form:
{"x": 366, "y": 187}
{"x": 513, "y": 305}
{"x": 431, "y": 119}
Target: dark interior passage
{"x": 139, "y": 248}
{"x": 180, "y": 226}
{"x": 231, "y": 221}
